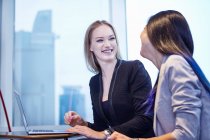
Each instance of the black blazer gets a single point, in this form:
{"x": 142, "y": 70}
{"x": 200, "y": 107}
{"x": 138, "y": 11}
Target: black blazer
{"x": 129, "y": 90}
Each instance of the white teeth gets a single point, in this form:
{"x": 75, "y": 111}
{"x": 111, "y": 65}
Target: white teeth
{"x": 107, "y": 51}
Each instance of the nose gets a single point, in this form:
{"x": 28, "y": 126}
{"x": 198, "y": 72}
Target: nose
{"x": 107, "y": 43}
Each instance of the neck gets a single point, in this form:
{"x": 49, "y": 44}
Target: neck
{"x": 158, "y": 61}
{"x": 108, "y": 68}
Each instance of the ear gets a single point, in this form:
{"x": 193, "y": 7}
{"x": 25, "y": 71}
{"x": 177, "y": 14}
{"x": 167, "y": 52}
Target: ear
{"x": 91, "y": 49}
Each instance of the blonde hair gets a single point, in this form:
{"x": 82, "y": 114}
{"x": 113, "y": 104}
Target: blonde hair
{"x": 91, "y": 61}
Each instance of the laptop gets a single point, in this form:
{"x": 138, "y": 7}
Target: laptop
{"x": 34, "y": 131}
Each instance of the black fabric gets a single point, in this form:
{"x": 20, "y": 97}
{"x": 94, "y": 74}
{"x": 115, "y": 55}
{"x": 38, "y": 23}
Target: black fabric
{"x": 129, "y": 90}
{"x": 105, "y": 107}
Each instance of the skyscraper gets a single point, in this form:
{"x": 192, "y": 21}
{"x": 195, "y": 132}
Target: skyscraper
{"x": 71, "y": 100}
{"x": 34, "y": 73}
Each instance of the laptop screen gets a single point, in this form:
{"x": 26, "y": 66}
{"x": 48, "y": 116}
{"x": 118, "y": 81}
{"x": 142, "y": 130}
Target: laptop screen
{"x": 35, "y": 132}
{"x": 22, "y": 113}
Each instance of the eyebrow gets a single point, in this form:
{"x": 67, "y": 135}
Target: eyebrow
{"x": 103, "y": 37}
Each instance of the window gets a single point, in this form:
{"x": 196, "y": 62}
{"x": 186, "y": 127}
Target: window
{"x": 42, "y": 56}
{"x": 49, "y": 66}
{"x": 50, "y": 71}
{"x": 138, "y": 12}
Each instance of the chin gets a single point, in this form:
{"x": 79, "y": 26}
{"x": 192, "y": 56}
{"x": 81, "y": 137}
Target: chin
{"x": 111, "y": 59}
{"x": 142, "y": 54}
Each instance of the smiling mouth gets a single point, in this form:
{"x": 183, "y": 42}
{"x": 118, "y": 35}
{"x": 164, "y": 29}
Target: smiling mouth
{"x": 107, "y": 51}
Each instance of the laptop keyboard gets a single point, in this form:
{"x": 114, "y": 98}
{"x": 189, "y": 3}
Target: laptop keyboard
{"x": 42, "y": 130}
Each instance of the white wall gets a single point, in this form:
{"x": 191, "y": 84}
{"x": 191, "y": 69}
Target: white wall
{"x": 197, "y": 14}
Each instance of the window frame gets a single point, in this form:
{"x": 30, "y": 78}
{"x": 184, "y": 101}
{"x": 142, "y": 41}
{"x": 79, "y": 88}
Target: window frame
{"x": 7, "y": 43}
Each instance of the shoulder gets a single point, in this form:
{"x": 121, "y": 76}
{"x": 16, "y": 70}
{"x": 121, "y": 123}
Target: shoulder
{"x": 94, "y": 85}
{"x": 176, "y": 62}
{"x": 175, "y": 59}
{"x": 133, "y": 69}
{"x": 177, "y": 71}
{"x": 131, "y": 64}
{"x": 94, "y": 79}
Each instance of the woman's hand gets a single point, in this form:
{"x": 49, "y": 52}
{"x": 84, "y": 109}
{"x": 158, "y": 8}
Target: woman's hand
{"x": 118, "y": 136}
{"x": 87, "y": 132}
{"x": 72, "y": 118}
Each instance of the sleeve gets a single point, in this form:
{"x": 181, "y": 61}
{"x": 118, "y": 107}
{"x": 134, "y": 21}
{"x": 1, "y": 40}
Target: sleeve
{"x": 140, "y": 86}
{"x": 99, "y": 124}
{"x": 186, "y": 102}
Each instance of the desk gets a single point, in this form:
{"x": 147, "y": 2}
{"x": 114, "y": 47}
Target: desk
{"x": 24, "y": 135}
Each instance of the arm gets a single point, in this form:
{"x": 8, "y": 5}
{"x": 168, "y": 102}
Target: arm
{"x": 87, "y": 132}
{"x": 92, "y": 130}
{"x": 72, "y": 118}
{"x": 168, "y": 136}
{"x": 186, "y": 102}
{"x": 99, "y": 124}
{"x": 140, "y": 86}
{"x": 119, "y": 136}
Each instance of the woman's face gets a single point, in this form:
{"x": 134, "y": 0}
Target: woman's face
{"x": 104, "y": 44}
{"x": 147, "y": 49}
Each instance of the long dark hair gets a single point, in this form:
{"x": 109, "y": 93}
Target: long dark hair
{"x": 169, "y": 33}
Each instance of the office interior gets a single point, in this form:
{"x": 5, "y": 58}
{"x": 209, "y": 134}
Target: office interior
{"x": 41, "y": 51}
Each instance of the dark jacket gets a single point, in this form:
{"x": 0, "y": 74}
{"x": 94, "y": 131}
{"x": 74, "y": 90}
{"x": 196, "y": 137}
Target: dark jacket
{"x": 129, "y": 90}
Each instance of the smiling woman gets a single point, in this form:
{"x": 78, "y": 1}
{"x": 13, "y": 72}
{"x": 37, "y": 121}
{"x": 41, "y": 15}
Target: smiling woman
{"x": 43, "y": 67}
{"x": 118, "y": 105}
